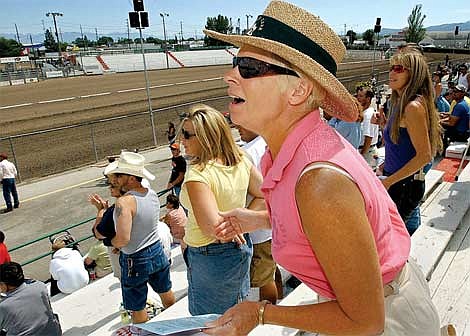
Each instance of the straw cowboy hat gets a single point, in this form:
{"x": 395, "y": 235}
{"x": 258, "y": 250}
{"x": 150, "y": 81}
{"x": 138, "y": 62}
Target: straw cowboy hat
{"x": 129, "y": 163}
{"x": 306, "y": 42}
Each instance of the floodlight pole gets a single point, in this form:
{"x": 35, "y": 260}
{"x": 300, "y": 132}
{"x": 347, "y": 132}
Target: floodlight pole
{"x": 247, "y": 23}
{"x": 147, "y": 88}
{"x": 54, "y": 14}
{"x": 164, "y": 36}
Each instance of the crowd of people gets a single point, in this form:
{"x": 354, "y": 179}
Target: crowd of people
{"x": 305, "y": 191}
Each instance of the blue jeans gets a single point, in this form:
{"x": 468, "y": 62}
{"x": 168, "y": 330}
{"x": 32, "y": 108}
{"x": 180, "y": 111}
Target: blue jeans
{"x": 414, "y": 220}
{"x": 177, "y": 190}
{"x": 218, "y": 276}
{"x": 149, "y": 265}
{"x": 9, "y": 187}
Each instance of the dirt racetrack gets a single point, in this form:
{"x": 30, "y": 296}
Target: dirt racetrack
{"x": 82, "y": 103}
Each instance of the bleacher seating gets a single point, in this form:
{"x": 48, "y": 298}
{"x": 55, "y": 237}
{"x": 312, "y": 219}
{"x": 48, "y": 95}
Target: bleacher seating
{"x": 93, "y": 310}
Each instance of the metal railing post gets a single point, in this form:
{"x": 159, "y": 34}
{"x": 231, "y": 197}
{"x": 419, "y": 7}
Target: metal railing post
{"x": 93, "y": 142}
{"x": 14, "y": 159}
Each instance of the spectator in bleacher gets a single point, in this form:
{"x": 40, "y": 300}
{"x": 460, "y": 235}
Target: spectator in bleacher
{"x": 104, "y": 228}
{"x": 25, "y": 308}
{"x": 219, "y": 178}
{"x": 350, "y": 130}
{"x": 97, "y": 259}
{"x": 412, "y": 134}
{"x": 463, "y": 77}
{"x": 175, "y": 218}
{"x": 7, "y": 178}
{"x": 142, "y": 258}
{"x": 4, "y": 255}
{"x": 370, "y": 131}
{"x": 263, "y": 267}
{"x": 442, "y": 104}
{"x": 456, "y": 123}
{"x": 171, "y": 132}
{"x": 334, "y": 225}
{"x": 178, "y": 169}
{"x": 67, "y": 269}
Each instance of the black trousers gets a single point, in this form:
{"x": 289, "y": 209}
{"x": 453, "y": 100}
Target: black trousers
{"x": 407, "y": 195}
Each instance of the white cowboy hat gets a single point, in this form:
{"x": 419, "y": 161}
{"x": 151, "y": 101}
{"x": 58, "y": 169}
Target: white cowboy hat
{"x": 129, "y": 163}
{"x": 306, "y": 42}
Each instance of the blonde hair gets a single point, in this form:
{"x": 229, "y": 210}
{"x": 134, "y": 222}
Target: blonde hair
{"x": 419, "y": 85}
{"x": 214, "y": 135}
{"x": 58, "y": 245}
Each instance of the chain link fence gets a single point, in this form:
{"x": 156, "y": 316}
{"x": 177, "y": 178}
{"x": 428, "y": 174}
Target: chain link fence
{"x": 51, "y": 151}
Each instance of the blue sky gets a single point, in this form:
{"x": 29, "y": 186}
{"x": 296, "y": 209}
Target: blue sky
{"x": 110, "y": 15}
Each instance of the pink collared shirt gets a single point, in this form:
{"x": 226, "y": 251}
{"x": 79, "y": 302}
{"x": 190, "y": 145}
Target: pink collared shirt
{"x": 312, "y": 140}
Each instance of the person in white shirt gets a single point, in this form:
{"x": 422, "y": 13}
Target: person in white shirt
{"x": 263, "y": 267}
{"x": 7, "y": 176}
{"x": 370, "y": 131}
{"x": 67, "y": 269}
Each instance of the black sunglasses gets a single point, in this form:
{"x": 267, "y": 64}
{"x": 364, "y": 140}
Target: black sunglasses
{"x": 186, "y": 134}
{"x": 251, "y": 68}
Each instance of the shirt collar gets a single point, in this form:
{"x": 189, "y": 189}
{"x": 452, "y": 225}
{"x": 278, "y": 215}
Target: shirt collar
{"x": 288, "y": 149}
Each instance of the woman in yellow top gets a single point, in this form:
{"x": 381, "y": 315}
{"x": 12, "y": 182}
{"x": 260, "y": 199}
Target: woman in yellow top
{"x": 219, "y": 178}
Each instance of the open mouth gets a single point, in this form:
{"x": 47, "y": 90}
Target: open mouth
{"x": 237, "y": 100}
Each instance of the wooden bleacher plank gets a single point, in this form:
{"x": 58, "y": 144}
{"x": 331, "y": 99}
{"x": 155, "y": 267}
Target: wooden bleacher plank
{"x": 440, "y": 218}
{"x": 433, "y": 178}
{"x": 449, "y": 285}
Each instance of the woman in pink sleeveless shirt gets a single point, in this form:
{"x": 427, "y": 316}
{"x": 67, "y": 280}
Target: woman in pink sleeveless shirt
{"x": 334, "y": 225}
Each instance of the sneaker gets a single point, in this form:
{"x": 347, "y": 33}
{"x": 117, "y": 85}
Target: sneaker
{"x": 16, "y": 206}
{"x": 8, "y": 210}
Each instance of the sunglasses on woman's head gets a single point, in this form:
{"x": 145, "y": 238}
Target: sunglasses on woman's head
{"x": 251, "y": 67}
{"x": 186, "y": 134}
{"x": 398, "y": 68}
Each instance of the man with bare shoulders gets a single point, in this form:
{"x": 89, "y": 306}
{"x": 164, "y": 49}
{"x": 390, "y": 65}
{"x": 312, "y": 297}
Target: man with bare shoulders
{"x": 142, "y": 258}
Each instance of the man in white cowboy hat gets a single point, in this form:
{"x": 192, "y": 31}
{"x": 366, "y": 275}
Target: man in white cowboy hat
{"x": 334, "y": 225}
{"x": 142, "y": 258}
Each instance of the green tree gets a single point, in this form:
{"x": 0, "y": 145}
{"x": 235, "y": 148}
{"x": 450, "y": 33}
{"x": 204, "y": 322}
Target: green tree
{"x": 153, "y": 40}
{"x": 9, "y": 47}
{"x": 105, "y": 40}
{"x": 351, "y": 34}
{"x": 49, "y": 42}
{"x": 415, "y": 31}
{"x": 220, "y": 24}
{"x": 369, "y": 36}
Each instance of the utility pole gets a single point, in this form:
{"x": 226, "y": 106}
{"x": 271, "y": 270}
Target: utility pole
{"x": 61, "y": 37}
{"x": 247, "y": 24}
{"x": 164, "y": 36}
{"x": 345, "y": 29}
{"x": 54, "y": 14}
{"x": 17, "y": 35}
{"x": 128, "y": 34}
{"x": 96, "y": 32}
{"x": 238, "y": 27}
{"x": 83, "y": 38}
{"x": 139, "y": 19}
{"x": 181, "y": 32}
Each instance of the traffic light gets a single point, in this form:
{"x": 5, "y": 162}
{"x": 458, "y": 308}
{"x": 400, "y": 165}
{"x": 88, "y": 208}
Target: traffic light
{"x": 377, "y": 26}
{"x": 139, "y": 5}
{"x": 134, "y": 19}
{"x": 456, "y": 30}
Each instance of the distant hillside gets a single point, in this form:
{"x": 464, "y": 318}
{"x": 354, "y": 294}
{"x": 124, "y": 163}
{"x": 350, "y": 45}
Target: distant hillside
{"x": 463, "y": 26}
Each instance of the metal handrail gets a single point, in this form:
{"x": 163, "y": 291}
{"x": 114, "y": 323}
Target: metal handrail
{"x": 64, "y": 229}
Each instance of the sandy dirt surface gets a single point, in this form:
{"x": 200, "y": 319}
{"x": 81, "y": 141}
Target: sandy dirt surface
{"x": 83, "y": 101}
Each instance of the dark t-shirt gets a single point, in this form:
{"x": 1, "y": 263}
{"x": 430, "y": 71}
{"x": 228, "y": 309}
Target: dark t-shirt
{"x": 178, "y": 166}
{"x": 106, "y": 226}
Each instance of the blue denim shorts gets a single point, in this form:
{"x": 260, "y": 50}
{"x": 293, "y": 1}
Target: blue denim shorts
{"x": 149, "y": 265}
{"x": 218, "y": 276}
